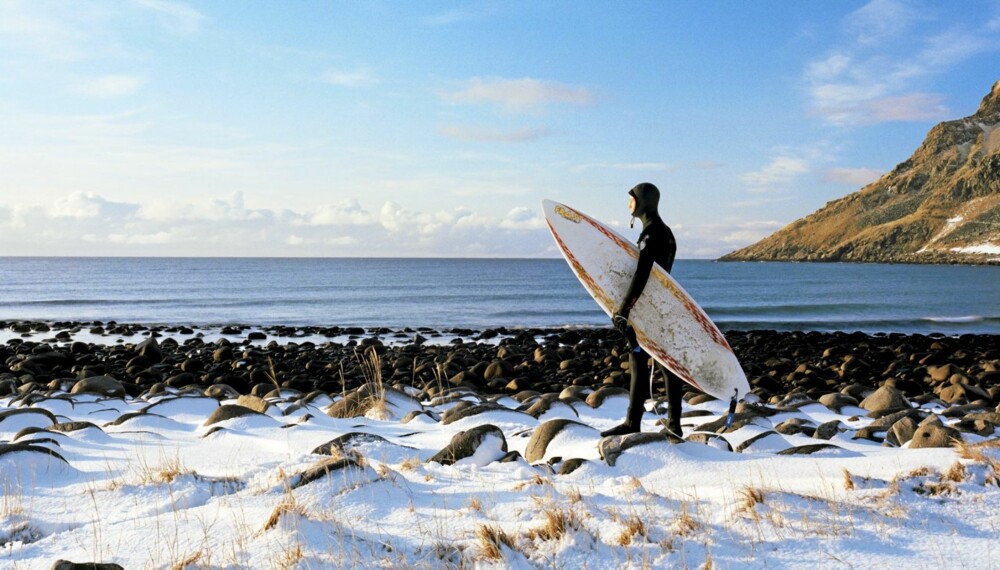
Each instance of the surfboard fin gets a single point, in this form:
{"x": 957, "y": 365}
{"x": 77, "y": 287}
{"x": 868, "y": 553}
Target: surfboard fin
{"x": 732, "y": 408}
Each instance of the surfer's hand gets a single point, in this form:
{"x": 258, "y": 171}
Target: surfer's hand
{"x": 620, "y": 322}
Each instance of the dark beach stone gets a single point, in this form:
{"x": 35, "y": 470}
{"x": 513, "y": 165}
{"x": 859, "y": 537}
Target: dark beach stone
{"x": 223, "y": 354}
{"x": 414, "y": 414}
{"x": 455, "y": 414}
{"x": 350, "y": 406}
{"x": 103, "y": 385}
{"x": 6, "y": 448}
{"x": 511, "y": 457}
{"x": 254, "y": 403}
{"x": 901, "y": 432}
{"x": 324, "y": 469}
{"x": 465, "y": 444}
{"x": 837, "y": 401}
{"x": 793, "y": 426}
{"x": 934, "y": 435}
{"x": 943, "y": 372}
{"x": 808, "y": 449}
{"x": 498, "y": 369}
{"x": 827, "y": 430}
{"x": 700, "y": 399}
{"x": 46, "y": 418}
{"x": 228, "y": 412}
{"x": 612, "y": 447}
{"x": 597, "y": 398}
{"x": 709, "y": 439}
{"x": 543, "y": 405}
{"x": 884, "y": 399}
{"x": 739, "y": 421}
{"x": 150, "y": 350}
{"x": 67, "y": 565}
{"x": 67, "y": 427}
{"x": 544, "y": 434}
{"x": 750, "y": 442}
{"x": 221, "y": 392}
{"x": 341, "y": 445}
{"x": 571, "y": 465}
{"x": 256, "y": 335}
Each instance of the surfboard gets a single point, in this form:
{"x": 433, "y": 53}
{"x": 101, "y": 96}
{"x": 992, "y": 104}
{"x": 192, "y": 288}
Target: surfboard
{"x": 668, "y": 323}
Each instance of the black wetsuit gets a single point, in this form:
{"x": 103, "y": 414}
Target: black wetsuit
{"x": 656, "y": 245}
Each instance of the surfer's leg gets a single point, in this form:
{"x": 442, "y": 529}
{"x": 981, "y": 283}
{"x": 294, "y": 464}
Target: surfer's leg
{"x": 675, "y": 389}
{"x": 638, "y": 363}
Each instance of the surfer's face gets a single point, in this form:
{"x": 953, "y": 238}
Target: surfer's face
{"x": 631, "y": 204}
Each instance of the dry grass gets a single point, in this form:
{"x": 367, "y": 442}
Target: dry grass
{"x": 476, "y": 505}
{"x": 557, "y": 523}
{"x": 750, "y": 497}
{"x": 371, "y": 368}
{"x": 536, "y": 479}
{"x": 286, "y": 506}
{"x": 190, "y": 560}
{"x": 848, "y": 480}
{"x": 289, "y": 558}
{"x": 574, "y": 496}
{"x": 633, "y": 527}
{"x": 685, "y": 524}
{"x": 955, "y": 474}
{"x": 410, "y": 464}
{"x": 492, "y": 539}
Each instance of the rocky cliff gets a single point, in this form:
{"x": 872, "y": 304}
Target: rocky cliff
{"x": 942, "y": 205}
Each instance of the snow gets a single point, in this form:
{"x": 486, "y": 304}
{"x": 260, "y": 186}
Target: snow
{"x": 158, "y": 490}
{"x": 983, "y": 248}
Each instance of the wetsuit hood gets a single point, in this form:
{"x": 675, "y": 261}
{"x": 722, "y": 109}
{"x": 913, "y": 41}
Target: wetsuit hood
{"x": 647, "y": 199}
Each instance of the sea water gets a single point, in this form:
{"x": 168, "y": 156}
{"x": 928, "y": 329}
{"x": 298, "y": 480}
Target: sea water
{"x": 485, "y": 293}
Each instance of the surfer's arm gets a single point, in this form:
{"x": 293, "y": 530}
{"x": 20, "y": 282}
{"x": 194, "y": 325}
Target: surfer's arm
{"x": 639, "y": 279}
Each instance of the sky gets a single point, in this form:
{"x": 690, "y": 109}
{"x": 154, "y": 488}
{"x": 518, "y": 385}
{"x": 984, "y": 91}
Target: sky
{"x": 435, "y": 129}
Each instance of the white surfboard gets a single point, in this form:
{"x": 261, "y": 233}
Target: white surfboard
{"x": 668, "y": 323}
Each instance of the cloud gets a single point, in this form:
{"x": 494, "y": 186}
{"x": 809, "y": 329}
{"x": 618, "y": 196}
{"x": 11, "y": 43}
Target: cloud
{"x": 109, "y": 86}
{"x": 176, "y": 16}
{"x": 358, "y": 78}
{"x": 852, "y": 176}
{"x": 520, "y": 95}
{"x": 89, "y": 224}
{"x": 873, "y": 76}
{"x": 717, "y": 239}
{"x": 482, "y": 134}
{"x": 781, "y": 171}
{"x": 82, "y": 205}
{"x": 27, "y": 27}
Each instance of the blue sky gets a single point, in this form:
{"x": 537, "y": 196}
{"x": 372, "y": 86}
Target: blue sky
{"x": 157, "y": 127}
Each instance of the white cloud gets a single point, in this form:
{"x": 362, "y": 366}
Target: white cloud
{"x": 626, "y": 166}
{"x": 483, "y": 134}
{"x": 852, "y": 176}
{"x": 780, "y": 172}
{"x": 109, "y": 86}
{"x": 81, "y": 205}
{"x": 89, "y": 224}
{"x": 874, "y": 75}
{"x": 357, "y": 78}
{"x": 717, "y": 239}
{"x": 520, "y": 95}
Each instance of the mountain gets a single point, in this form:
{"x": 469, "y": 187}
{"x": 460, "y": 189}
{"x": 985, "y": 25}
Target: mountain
{"x": 942, "y": 205}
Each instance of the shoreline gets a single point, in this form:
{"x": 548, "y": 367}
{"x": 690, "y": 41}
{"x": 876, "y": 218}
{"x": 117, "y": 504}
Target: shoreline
{"x": 779, "y": 365}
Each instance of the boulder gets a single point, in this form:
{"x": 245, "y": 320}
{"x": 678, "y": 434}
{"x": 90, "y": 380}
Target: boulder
{"x": 544, "y": 434}
{"x": 884, "y": 399}
{"x": 102, "y": 385}
{"x": 467, "y": 443}
{"x": 934, "y": 435}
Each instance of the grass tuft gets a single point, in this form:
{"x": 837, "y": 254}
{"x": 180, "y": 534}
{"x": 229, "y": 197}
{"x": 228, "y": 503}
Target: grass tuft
{"x": 286, "y": 506}
{"x": 848, "y": 480}
{"x": 557, "y": 523}
{"x": 633, "y": 527}
{"x": 492, "y": 539}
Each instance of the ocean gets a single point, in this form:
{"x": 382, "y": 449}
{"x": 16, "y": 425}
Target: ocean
{"x": 487, "y": 293}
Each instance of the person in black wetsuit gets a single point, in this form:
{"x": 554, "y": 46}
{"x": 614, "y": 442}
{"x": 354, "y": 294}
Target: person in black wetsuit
{"x": 656, "y": 245}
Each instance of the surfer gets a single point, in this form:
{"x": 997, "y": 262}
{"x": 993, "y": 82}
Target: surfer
{"x": 656, "y": 245}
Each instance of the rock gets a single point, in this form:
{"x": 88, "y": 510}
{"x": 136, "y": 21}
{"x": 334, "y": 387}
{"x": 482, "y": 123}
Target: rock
{"x": 836, "y": 401}
{"x": 571, "y": 465}
{"x": 254, "y": 403}
{"x": 228, "y": 412}
{"x": 711, "y": 440}
{"x": 498, "y": 369}
{"x": 67, "y": 565}
{"x": 596, "y": 399}
{"x": 827, "y": 430}
{"x": 150, "y": 350}
{"x": 544, "y": 434}
{"x": 901, "y": 432}
{"x": 884, "y": 399}
{"x": 467, "y": 443}
{"x": 793, "y": 426}
{"x": 612, "y": 447}
{"x": 808, "y": 449}
{"x": 341, "y": 445}
{"x": 6, "y": 448}
{"x": 324, "y": 469}
{"x": 103, "y": 385}
{"x": 934, "y": 435}
{"x": 942, "y": 373}
{"x": 221, "y": 392}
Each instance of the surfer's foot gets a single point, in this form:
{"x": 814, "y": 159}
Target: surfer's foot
{"x": 674, "y": 428}
{"x": 623, "y": 429}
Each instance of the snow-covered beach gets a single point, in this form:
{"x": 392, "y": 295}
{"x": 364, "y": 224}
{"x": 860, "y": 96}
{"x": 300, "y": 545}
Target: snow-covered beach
{"x": 429, "y": 470}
